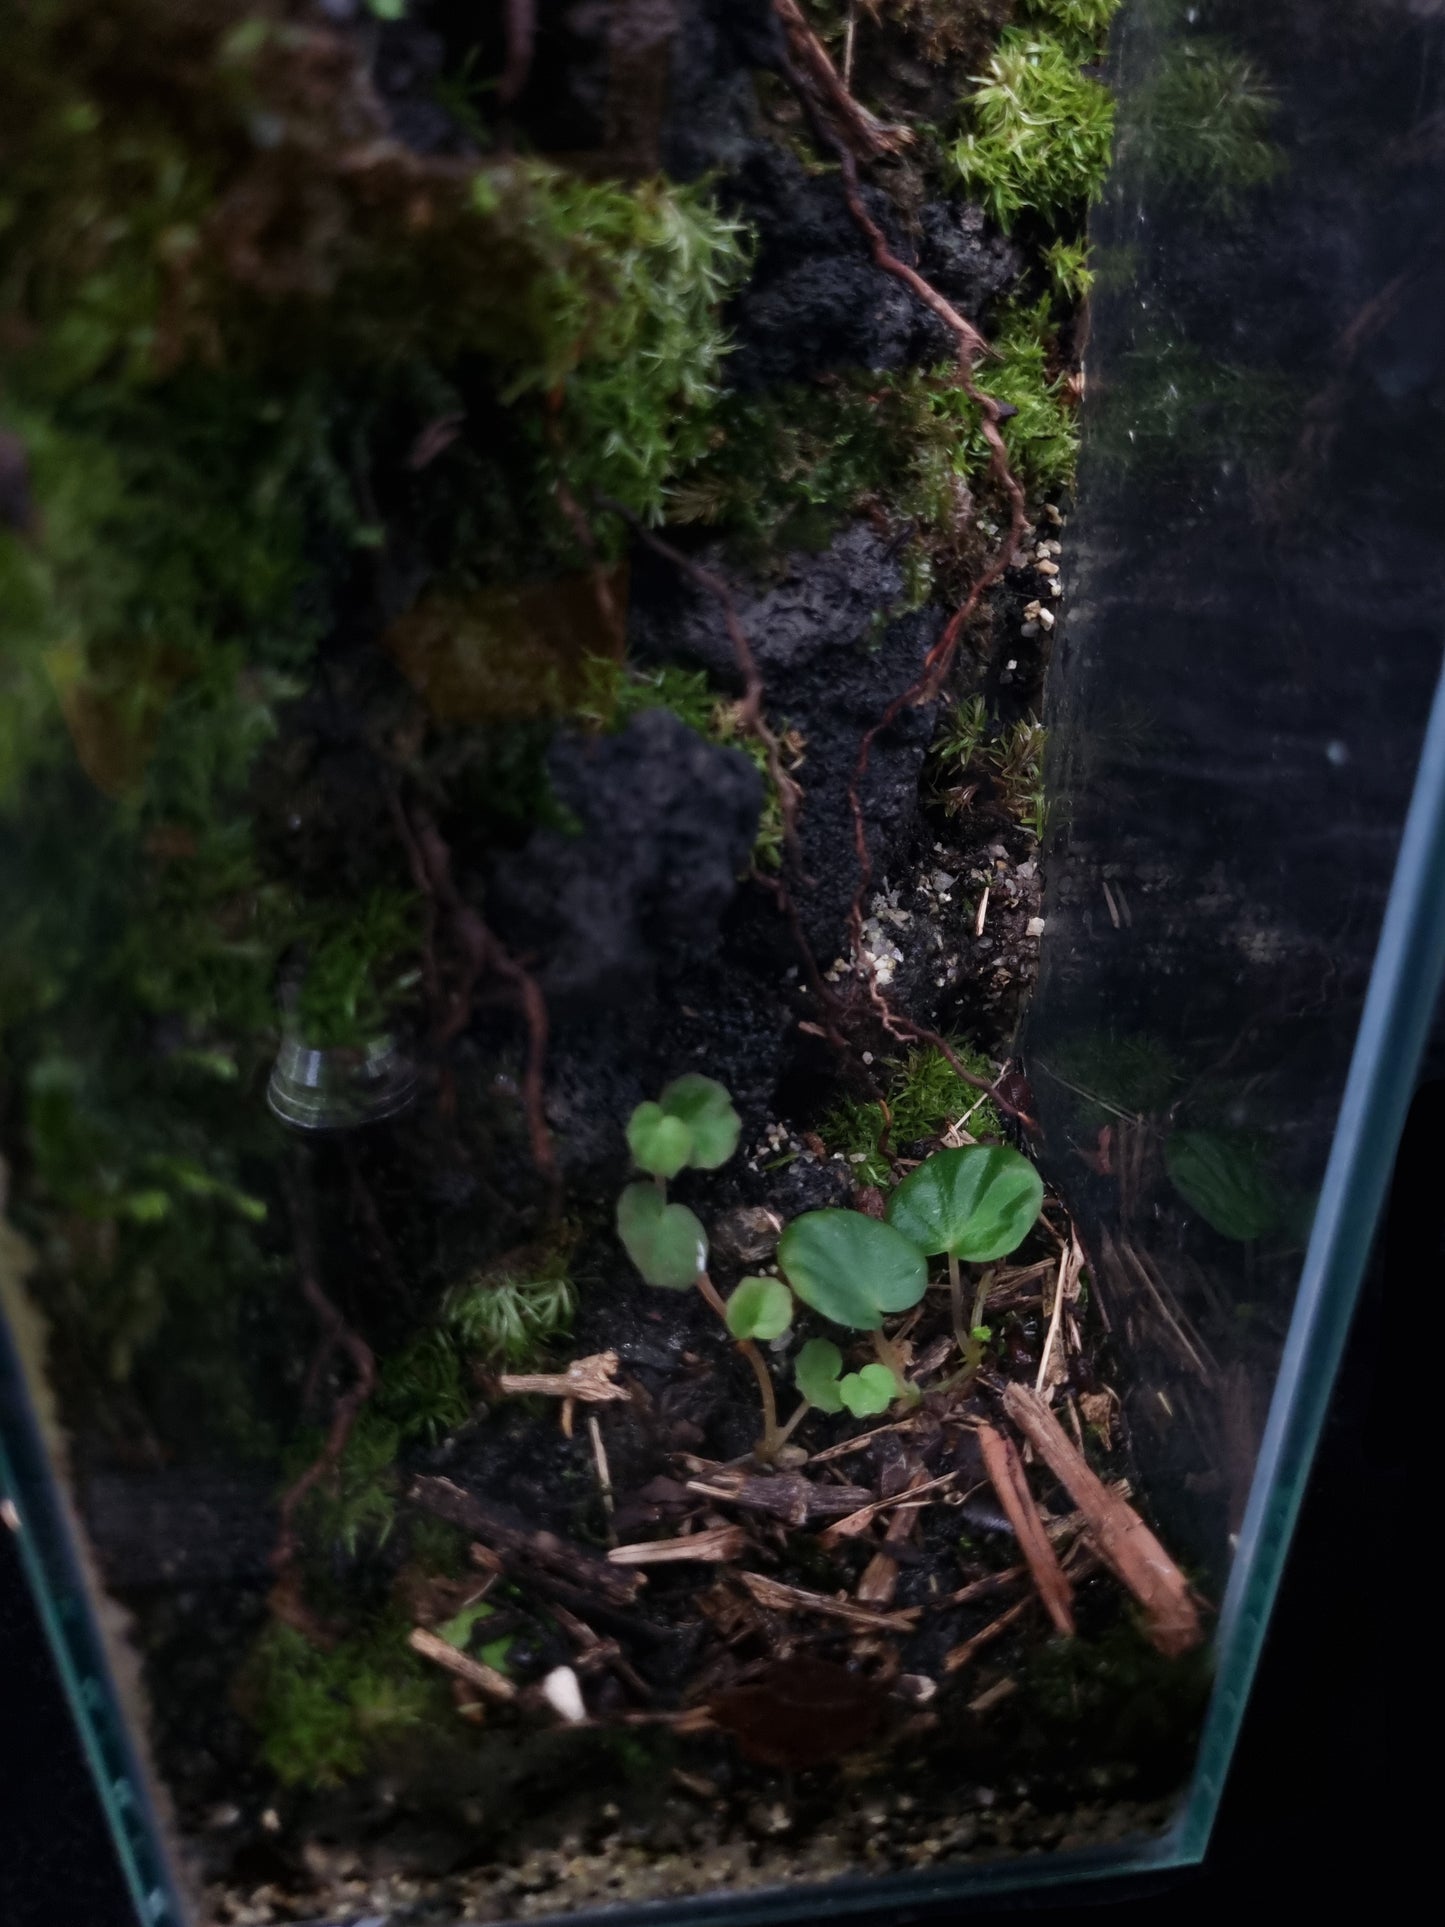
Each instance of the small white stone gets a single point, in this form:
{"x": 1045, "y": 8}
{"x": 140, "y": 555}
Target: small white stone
{"x": 563, "y": 1694}
{"x": 1035, "y": 927}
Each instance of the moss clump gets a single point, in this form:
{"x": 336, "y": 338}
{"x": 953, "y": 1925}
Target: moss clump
{"x": 1012, "y": 759}
{"x": 1201, "y": 123}
{"x": 360, "y": 965}
{"x": 508, "y": 1318}
{"x": 1039, "y": 133}
{"x": 925, "y": 1096}
{"x": 1133, "y": 1073}
{"x": 352, "y": 1508}
{"x": 323, "y": 1715}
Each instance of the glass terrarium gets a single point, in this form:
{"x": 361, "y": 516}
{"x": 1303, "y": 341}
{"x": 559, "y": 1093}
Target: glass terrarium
{"x": 708, "y": 977}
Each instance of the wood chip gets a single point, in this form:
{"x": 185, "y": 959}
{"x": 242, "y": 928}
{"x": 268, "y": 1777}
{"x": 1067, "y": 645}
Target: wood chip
{"x": 880, "y": 1575}
{"x": 955, "y": 1660}
{"x": 786, "y": 1496}
{"x": 853, "y": 1524}
{"x": 1005, "y": 1470}
{"x": 589, "y": 1379}
{"x": 1115, "y": 1530}
{"x": 487, "y": 1680}
{"x": 719, "y": 1544}
{"x": 993, "y": 1696}
{"x": 794, "y": 1599}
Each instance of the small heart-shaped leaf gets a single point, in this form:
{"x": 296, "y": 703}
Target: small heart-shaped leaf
{"x": 658, "y": 1143}
{"x": 851, "y": 1268}
{"x": 1222, "y": 1178}
{"x": 978, "y": 1203}
{"x": 817, "y": 1369}
{"x": 665, "y": 1241}
{"x": 703, "y": 1105}
{"x": 760, "y": 1308}
{"x": 871, "y": 1390}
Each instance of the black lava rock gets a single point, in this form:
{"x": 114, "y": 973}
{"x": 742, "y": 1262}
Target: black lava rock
{"x": 667, "y": 821}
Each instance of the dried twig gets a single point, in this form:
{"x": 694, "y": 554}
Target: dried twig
{"x": 1005, "y": 1470}
{"x": 959, "y": 1656}
{"x": 1115, "y": 1530}
{"x": 487, "y": 1680}
{"x": 795, "y": 1500}
{"x": 535, "y": 1554}
{"x": 795, "y": 1599}
{"x": 592, "y": 1379}
{"x": 880, "y": 1576}
{"x": 851, "y": 1525}
{"x": 717, "y": 1545}
{"x": 1071, "y": 1263}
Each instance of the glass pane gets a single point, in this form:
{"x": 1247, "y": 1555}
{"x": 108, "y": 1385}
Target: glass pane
{"x": 423, "y": 936}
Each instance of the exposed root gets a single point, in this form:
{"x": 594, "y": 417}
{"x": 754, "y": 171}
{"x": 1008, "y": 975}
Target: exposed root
{"x": 864, "y": 132}
{"x": 521, "y": 29}
{"x": 481, "y": 953}
{"x": 430, "y": 862}
{"x": 334, "y": 1331}
{"x": 932, "y": 677}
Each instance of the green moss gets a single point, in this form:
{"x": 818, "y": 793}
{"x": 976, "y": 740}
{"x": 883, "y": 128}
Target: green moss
{"x": 1133, "y": 1073}
{"x": 323, "y": 1715}
{"x": 360, "y": 964}
{"x": 967, "y": 743}
{"x": 1039, "y": 134}
{"x": 353, "y": 1508}
{"x": 508, "y": 1319}
{"x": 1138, "y": 1708}
{"x": 421, "y": 1389}
{"x": 1200, "y": 123}
{"x": 925, "y": 1096}
{"x": 1080, "y": 26}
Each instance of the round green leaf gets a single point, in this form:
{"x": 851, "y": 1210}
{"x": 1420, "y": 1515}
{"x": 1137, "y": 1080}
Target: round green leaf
{"x": 871, "y": 1390}
{"x": 979, "y": 1202}
{"x": 1222, "y": 1178}
{"x": 665, "y": 1241}
{"x": 658, "y": 1142}
{"x": 817, "y": 1369}
{"x": 851, "y": 1268}
{"x": 760, "y": 1308}
{"x": 703, "y": 1105}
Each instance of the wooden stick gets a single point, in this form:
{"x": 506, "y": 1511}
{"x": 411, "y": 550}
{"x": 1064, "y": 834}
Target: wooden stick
{"x": 1005, "y": 1469}
{"x": 849, "y": 1527}
{"x": 1040, "y": 1383}
{"x": 1117, "y": 1533}
{"x": 590, "y": 1379}
{"x": 793, "y": 1599}
{"x": 486, "y": 1679}
{"x": 959, "y": 1657}
{"x": 522, "y": 1547}
{"x": 720, "y": 1543}
{"x": 880, "y": 1576}
{"x": 787, "y": 1496}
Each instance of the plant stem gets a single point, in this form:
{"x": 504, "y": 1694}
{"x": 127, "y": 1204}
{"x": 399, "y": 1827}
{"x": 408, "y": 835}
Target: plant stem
{"x": 772, "y": 1438}
{"x": 955, "y": 1299}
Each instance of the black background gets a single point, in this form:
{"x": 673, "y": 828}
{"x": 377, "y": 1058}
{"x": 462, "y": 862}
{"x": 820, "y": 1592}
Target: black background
{"x": 1317, "y": 1815}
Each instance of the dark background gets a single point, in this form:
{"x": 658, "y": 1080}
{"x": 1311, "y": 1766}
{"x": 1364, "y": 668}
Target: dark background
{"x": 1317, "y": 1813}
